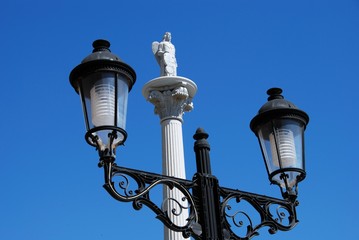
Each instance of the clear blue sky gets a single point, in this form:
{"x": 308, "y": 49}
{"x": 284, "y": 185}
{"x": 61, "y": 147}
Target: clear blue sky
{"x": 51, "y": 188}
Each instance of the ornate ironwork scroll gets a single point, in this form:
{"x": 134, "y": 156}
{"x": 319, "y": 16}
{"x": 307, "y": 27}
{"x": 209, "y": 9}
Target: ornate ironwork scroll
{"x": 274, "y": 213}
{"x": 215, "y": 212}
{"x": 129, "y": 185}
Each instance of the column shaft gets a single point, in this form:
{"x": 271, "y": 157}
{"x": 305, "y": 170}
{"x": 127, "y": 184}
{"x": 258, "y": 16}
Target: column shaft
{"x": 173, "y": 165}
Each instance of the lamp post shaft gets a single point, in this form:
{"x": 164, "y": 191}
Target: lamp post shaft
{"x": 206, "y": 190}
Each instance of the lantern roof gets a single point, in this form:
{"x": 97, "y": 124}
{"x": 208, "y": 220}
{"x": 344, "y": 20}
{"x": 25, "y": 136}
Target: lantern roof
{"x": 102, "y": 60}
{"x": 276, "y": 101}
{"x": 101, "y": 51}
{"x": 277, "y": 107}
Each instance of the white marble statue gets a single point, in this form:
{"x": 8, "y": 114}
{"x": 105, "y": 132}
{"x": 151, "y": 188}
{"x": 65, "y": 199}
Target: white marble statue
{"x": 164, "y": 52}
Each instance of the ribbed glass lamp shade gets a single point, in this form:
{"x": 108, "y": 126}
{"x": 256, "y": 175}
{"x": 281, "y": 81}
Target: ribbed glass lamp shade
{"x": 284, "y": 154}
{"x": 102, "y": 103}
{"x": 282, "y": 147}
{"x": 105, "y": 97}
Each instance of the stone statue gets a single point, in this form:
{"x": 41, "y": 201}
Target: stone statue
{"x": 165, "y": 55}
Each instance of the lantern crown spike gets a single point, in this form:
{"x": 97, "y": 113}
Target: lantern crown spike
{"x": 101, "y": 45}
{"x": 274, "y": 93}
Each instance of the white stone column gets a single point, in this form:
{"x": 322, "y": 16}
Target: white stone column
{"x": 172, "y": 96}
{"x": 172, "y": 145}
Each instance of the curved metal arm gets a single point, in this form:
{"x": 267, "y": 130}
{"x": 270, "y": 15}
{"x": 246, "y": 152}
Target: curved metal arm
{"x": 141, "y": 195}
{"x": 274, "y": 213}
{"x": 211, "y": 213}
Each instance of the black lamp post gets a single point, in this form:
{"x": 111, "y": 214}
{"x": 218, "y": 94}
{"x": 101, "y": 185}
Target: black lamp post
{"x": 103, "y": 82}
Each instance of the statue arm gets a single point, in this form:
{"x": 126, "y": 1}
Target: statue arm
{"x": 160, "y": 50}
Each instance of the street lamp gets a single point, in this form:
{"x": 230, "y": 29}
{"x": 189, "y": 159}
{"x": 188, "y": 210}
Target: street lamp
{"x": 280, "y": 127}
{"x": 103, "y": 81}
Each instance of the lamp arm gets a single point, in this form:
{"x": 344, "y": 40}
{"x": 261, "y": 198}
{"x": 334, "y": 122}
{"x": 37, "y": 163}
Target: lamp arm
{"x": 277, "y": 214}
{"x": 139, "y": 195}
{"x": 239, "y": 223}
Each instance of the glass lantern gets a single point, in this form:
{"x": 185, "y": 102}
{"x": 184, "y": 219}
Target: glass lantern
{"x": 280, "y": 127}
{"x": 103, "y": 82}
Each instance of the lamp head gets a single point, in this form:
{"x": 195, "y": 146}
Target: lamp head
{"x": 103, "y": 82}
{"x": 279, "y": 126}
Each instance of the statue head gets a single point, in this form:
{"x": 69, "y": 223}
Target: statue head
{"x": 167, "y": 37}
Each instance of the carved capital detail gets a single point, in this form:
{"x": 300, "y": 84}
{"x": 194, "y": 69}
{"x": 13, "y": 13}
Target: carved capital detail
{"x": 171, "y": 103}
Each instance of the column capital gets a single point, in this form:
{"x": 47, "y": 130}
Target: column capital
{"x": 171, "y": 96}
{"x": 171, "y": 103}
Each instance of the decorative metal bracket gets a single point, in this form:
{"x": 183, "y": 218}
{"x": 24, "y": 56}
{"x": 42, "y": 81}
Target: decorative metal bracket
{"x": 274, "y": 213}
{"x": 211, "y": 208}
{"x": 139, "y": 195}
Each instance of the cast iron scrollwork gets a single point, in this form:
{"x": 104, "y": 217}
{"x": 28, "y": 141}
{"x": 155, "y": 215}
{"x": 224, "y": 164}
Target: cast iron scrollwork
{"x": 231, "y": 214}
{"x": 274, "y": 213}
{"x": 128, "y": 185}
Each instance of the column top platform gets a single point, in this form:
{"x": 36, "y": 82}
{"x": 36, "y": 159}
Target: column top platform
{"x": 164, "y": 83}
